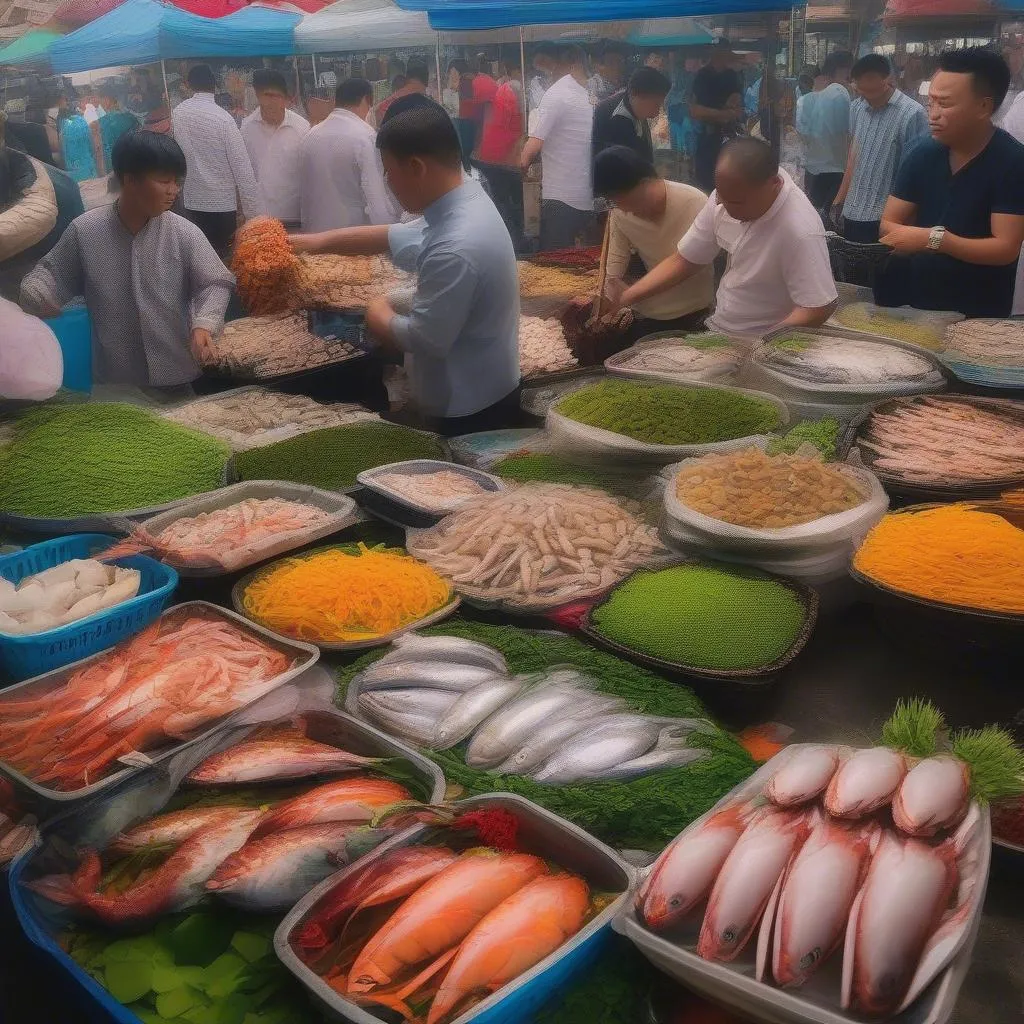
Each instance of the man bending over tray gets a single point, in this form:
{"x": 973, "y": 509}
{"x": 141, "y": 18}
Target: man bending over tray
{"x": 154, "y": 287}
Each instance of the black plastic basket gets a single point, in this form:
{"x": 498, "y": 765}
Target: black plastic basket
{"x": 856, "y": 263}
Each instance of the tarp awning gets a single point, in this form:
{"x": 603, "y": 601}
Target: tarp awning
{"x": 250, "y": 32}
{"x": 358, "y": 26}
{"x": 129, "y": 34}
{"x": 30, "y": 48}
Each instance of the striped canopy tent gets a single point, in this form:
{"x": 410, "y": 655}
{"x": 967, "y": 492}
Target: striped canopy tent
{"x": 30, "y": 49}
{"x": 249, "y": 32}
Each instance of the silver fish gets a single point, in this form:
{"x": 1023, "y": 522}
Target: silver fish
{"x": 656, "y": 760}
{"x": 509, "y": 727}
{"x": 451, "y": 649}
{"x": 432, "y": 675}
{"x": 420, "y": 702}
{"x": 416, "y": 728}
{"x": 472, "y": 708}
{"x": 548, "y": 738}
{"x": 615, "y": 739}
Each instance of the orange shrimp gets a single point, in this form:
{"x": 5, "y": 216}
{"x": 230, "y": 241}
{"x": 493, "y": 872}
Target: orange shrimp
{"x": 441, "y": 913}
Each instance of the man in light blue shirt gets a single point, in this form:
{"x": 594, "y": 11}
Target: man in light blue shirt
{"x": 823, "y": 122}
{"x": 460, "y": 334}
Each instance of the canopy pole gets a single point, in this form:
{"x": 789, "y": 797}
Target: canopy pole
{"x": 437, "y": 62}
{"x": 167, "y": 95}
{"x": 298, "y": 78}
{"x": 316, "y": 74}
{"x": 522, "y": 72}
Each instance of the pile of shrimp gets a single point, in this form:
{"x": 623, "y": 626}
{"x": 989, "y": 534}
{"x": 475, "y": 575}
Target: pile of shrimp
{"x": 182, "y": 673}
{"x": 265, "y": 267}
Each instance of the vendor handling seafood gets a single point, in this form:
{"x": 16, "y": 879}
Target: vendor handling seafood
{"x": 778, "y": 271}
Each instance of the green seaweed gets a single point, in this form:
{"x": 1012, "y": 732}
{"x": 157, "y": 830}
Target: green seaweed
{"x": 914, "y": 727}
{"x": 646, "y": 812}
{"x": 793, "y": 343}
{"x": 823, "y": 434}
{"x": 996, "y": 762}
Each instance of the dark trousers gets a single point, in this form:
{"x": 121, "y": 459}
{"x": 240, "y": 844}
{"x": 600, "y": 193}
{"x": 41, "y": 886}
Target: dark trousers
{"x": 219, "y": 228}
{"x": 822, "y": 189}
{"x": 863, "y": 231}
{"x": 709, "y": 145}
{"x": 503, "y": 414}
{"x": 563, "y": 226}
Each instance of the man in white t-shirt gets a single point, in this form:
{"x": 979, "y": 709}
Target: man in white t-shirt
{"x": 778, "y": 272}
{"x": 561, "y": 137}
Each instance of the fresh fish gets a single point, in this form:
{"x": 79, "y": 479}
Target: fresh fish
{"x": 429, "y": 675}
{"x": 907, "y": 888}
{"x": 172, "y": 829}
{"x": 279, "y": 757}
{"x": 865, "y": 781}
{"x": 934, "y": 795}
{"x": 744, "y": 885}
{"x": 417, "y": 728}
{"x": 274, "y": 872}
{"x": 472, "y": 708}
{"x": 179, "y": 882}
{"x": 413, "y": 647}
{"x": 528, "y": 926}
{"x": 817, "y": 892}
{"x": 656, "y": 760}
{"x": 440, "y": 914}
{"x": 415, "y": 701}
{"x": 391, "y": 877}
{"x": 684, "y": 873}
{"x": 508, "y": 729}
{"x": 613, "y": 740}
{"x": 547, "y": 739}
{"x": 349, "y": 800}
{"x": 802, "y": 776}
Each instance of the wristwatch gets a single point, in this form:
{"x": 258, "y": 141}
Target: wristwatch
{"x": 935, "y": 237}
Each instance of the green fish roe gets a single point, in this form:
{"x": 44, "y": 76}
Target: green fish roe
{"x": 644, "y": 813}
{"x": 823, "y": 434}
{"x": 554, "y": 469}
{"x": 75, "y": 460}
{"x": 702, "y": 616}
{"x": 665, "y": 414}
{"x": 332, "y": 458}
{"x": 793, "y": 342}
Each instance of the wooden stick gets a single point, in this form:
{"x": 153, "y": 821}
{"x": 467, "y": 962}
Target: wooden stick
{"x": 602, "y": 274}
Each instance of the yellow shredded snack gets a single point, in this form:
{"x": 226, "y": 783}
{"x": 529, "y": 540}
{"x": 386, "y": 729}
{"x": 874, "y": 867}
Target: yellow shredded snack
{"x": 955, "y": 554}
{"x": 334, "y": 595}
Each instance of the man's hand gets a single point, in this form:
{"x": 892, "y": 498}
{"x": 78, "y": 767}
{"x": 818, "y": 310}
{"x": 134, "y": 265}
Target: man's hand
{"x": 201, "y": 343}
{"x": 906, "y": 239}
{"x": 303, "y": 243}
{"x": 379, "y": 315}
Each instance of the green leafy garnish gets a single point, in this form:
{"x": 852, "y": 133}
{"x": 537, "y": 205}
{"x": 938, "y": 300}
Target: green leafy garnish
{"x": 914, "y": 727}
{"x": 996, "y": 763}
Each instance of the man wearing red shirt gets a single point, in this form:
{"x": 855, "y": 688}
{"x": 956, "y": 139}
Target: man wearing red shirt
{"x": 503, "y": 128}
{"x": 413, "y": 81}
{"x": 477, "y": 97}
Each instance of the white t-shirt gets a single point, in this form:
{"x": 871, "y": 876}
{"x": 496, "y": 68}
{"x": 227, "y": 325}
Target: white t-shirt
{"x": 775, "y": 263}
{"x": 564, "y": 124}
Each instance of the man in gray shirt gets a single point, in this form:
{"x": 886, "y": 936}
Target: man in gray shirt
{"x": 154, "y": 287}
{"x": 460, "y": 336}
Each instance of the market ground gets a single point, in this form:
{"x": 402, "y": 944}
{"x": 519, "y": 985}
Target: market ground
{"x": 859, "y": 661}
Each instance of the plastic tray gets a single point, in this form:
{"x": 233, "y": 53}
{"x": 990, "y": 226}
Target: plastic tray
{"x": 584, "y": 441}
{"x": 540, "y": 832}
{"x": 305, "y": 655}
{"x": 733, "y": 984}
{"x": 238, "y": 592}
{"x": 788, "y": 386}
{"x": 95, "y": 522}
{"x": 420, "y": 467}
{"x": 938, "y": 491}
{"x": 926, "y": 318}
{"x": 671, "y": 339}
{"x": 25, "y": 656}
{"x": 342, "y": 509}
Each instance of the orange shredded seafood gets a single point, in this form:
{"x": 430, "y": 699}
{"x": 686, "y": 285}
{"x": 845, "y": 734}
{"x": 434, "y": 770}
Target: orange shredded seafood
{"x": 265, "y": 267}
{"x": 333, "y": 595}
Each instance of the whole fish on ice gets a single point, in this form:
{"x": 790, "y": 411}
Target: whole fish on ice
{"x": 804, "y": 773}
{"x": 745, "y": 883}
{"x": 865, "y": 781}
{"x": 416, "y": 727}
{"x": 905, "y": 893}
{"x": 273, "y": 872}
{"x": 683, "y": 875}
{"x": 427, "y": 675}
{"x": 347, "y": 800}
{"x": 411, "y": 701}
{"x": 470, "y": 709}
{"x": 170, "y": 829}
{"x": 935, "y": 794}
{"x": 818, "y": 890}
{"x": 550, "y": 736}
{"x": 450, "y": 649}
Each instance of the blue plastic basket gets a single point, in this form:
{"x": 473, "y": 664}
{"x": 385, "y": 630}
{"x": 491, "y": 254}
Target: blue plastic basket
{"x": 22, "y": 657}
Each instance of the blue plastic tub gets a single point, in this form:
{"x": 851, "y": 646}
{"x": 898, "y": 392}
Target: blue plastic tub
{"x": 73, "y": 329}
{"x": 22, "y": 657}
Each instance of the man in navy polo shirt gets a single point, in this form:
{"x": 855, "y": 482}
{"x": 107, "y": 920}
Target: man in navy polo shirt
{"x": 956, "y": 213}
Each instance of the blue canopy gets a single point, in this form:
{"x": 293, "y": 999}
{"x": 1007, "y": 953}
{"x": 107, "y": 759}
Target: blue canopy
{"x": 466, "y": 15}
{"x": 129, "y": 34}
{"x": 250, "y": 32}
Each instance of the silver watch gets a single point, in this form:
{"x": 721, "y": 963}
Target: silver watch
{"x": 935, "y": 237}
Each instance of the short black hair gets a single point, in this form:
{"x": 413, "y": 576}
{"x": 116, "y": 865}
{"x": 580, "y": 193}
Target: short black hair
{"x": 458, "y": 64}
{"x": 619, "y": 169}
{"x": 139, "y": 152}
{"x": 418, "y": 71}
{"x": 753, "y": 158}
{"x": 352, "y": 92}
{"x": 200, "y": 78}
{"x": 414, "y": 101}
{"x": 649, "y": 82}
{"x": 990, "y": 74}
{"x": 421, "y": 129}
{"x": 398, "y": 82}
{"x": 871, "y": 64}
{"x": 571, "y": 56}
{"x": 267, "y": 79}
{"x": 835, "y": 60}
